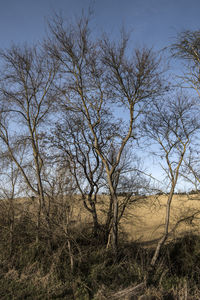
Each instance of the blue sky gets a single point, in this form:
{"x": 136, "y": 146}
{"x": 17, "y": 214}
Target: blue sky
{"x": 152, "y": 22}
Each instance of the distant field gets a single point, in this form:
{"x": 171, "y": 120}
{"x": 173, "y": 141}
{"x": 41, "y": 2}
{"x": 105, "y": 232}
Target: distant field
{"x": 143, "y": 221}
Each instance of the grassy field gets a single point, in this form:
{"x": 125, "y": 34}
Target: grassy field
{"x": 144, "y": 221}
{"x": 39, "y": 270}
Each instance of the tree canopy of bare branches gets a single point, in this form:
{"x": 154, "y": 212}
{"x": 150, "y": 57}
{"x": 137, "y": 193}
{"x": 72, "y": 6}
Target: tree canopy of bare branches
{"x": 97, "y": 77}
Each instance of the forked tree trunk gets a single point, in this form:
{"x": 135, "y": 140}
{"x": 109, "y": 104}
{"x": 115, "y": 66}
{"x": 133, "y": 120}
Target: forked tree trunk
{"x": 92, "y": 210}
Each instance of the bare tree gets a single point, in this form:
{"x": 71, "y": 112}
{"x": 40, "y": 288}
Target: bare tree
{"x": 187, "y": 48}
{"x": 10, "y": 188}
{"x": 75, "y": 151}
{"x": 28, "y": 96}
{"x": 98, "y": 77}
{"x": 172, "y": 123}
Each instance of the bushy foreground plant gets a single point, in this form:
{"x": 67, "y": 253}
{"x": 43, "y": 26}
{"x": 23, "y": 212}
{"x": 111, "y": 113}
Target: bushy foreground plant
{"x": 39, "y": 270}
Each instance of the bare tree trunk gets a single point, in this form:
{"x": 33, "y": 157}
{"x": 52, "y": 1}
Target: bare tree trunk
{"x": 12, "y": 222}
{"x": 94, "y": 216}
{"x": 95, "y": 224}
{"x": 166, "y": 232}
{"x": 71, "y": 257}
{"x": 115, "y": 225}
{"x": 115, "y": 215}
{"x": 38, "y": 223}
{"x": 108, "y": 222}
{"x": 42, "y": 205}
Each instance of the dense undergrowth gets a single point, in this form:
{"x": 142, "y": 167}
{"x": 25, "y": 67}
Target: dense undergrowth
{"x": 43, "y": 270}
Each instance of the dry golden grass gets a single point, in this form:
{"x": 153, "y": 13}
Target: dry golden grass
{"x": 143, "y": 221}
